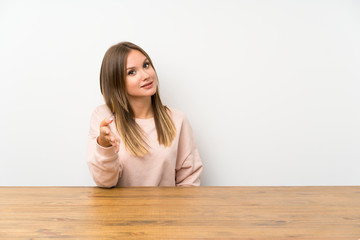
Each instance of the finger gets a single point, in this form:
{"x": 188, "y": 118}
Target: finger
{"x": 105, "y": 130}
{"x": 106, "y": 122}
{"x": 115, "y": 142}
{"x": 112, "y": 139}
{"x": 116, "y": 145}
{"x": 109, "y": 139}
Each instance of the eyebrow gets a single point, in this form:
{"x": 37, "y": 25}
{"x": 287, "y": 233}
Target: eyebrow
{"x": 146, "y": 59}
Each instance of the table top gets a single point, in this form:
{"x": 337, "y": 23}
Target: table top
{"x": 180, "y": 213}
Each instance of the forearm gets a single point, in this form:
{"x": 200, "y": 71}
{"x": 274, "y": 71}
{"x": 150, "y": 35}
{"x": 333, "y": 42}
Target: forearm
{"x": 104, "y": 164}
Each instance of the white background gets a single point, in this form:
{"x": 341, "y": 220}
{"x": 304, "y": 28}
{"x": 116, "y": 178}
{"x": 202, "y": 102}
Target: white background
{"x": 271, "y": 88}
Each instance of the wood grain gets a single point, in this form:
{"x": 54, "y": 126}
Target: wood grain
{"x": 180, "y": 213}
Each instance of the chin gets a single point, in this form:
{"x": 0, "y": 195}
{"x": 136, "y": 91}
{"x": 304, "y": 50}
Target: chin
{"x": 153, "y": 92}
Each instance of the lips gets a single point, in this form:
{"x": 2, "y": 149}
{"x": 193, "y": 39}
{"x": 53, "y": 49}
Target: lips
{"x": 148, "y": 85}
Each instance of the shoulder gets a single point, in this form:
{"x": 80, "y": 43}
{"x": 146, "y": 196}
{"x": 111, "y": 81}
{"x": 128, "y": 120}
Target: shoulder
{"x": 182, "y": 125}
{"x": 176, "y": 114}
{"x": 179, "y": 118}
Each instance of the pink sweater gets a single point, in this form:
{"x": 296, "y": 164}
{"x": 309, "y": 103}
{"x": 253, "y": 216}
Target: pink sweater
{"x": 176, "y": 165}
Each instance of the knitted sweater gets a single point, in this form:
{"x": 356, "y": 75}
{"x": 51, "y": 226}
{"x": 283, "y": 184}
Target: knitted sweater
{"x": 176, "y": 165}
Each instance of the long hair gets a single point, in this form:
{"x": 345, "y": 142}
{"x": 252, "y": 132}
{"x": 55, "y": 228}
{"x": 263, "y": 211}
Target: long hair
{"x": 112, "y": 85}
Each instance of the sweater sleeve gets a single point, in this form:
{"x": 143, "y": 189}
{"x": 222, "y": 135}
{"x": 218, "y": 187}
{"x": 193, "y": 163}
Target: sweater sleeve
{"x": 104, "y": 164}
{"x": 188, "y": 164}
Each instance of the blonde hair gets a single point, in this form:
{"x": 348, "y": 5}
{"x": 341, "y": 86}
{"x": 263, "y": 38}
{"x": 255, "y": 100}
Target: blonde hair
{"x": 112, "y": 85}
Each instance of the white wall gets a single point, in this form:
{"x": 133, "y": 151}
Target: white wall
{"x": 271, "y": 87}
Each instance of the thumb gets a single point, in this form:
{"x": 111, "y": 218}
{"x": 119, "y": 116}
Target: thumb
{"x": 106, "y": 122}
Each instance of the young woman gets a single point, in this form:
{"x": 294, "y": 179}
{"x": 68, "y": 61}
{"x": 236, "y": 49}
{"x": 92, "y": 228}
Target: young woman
{"x": 134, "y": 139}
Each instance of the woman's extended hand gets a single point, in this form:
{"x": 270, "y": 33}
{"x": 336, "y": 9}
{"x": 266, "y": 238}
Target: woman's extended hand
{"x": 107, "y": 138}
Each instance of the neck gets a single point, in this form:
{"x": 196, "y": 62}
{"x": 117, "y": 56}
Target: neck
{"x": 142, "y": 107}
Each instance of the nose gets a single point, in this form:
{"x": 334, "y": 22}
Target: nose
{"x": 144, "y": 74}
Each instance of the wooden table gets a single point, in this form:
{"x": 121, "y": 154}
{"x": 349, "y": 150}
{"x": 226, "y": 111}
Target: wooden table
{"x": 180, "y": 213}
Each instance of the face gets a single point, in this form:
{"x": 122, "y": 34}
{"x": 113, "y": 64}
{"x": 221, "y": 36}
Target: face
{"x": 141, "y": 80}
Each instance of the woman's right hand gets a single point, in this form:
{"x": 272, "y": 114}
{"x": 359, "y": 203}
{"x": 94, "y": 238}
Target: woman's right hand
{"x": 107, "y": 138}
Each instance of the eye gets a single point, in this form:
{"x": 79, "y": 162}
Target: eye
{"x": 131, "y": 72}
{"x": 146, "y": 65}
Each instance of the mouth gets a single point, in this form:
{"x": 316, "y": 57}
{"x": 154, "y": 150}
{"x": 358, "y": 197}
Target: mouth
{"x": 148, "y": 85}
